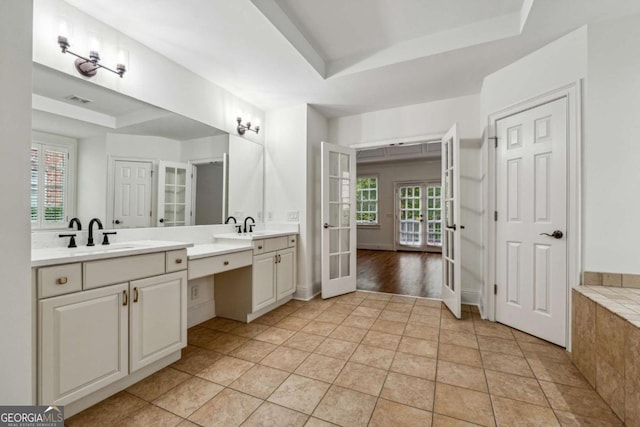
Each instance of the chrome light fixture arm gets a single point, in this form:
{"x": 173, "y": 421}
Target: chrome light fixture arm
{"x": 88, "y": 67}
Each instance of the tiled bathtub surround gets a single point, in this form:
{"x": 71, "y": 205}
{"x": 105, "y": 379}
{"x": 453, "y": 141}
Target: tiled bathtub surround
{"x": 592, "y": 278}
{"x": 356, "y": 360}
{"x": 606, "y": 345}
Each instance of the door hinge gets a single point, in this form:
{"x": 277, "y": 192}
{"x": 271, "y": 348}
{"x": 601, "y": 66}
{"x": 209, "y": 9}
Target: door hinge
{"x": 151, "y": 174}
{"x": 150, "y": 213}
{"x": 495, "y": 140}
{"x": 495, "y": 215}
{"x": 495, "y": 289}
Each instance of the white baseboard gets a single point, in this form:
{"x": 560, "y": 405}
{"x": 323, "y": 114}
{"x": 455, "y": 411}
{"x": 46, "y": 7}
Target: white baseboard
{"x": 376, "y": 247}
{"x": 304, "y": 292}
{"x": 201, "y": 313}
{"x": 471, "y": 297}
{"x": 308, "y": 298}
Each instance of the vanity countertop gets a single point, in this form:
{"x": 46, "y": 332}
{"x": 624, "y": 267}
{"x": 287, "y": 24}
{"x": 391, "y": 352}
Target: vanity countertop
{"x": 52, "y": 256}
{"x": 213, "y": 249}
{"x": 256, "y": 235}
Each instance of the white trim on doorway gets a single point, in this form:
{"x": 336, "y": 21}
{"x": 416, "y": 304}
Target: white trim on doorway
{"x": 573, "y": 94}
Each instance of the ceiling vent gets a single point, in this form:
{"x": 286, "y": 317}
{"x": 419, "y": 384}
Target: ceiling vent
{"x": 78, "y": 99}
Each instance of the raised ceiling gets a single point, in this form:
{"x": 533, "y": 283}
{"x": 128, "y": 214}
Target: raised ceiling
{"x": 348, "y": 56}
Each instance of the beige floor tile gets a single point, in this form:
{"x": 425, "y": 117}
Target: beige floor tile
{"x": 444, "y": 421}
{"x": 303, "y": 341}
{"x": 506, "y": 363}
{"x": 226, "y": 370}
{"x": 399, "y": 308}
{"x": 499, "y": 345}
{"x": 379, "y": 296}
{"x": 249, "y": 330}
{"x": 396, "y": 316}
{"x": 150, "y": 416}
{"x": 557, "y": 372}
{"x": 348, "y": 333}
{"x": 412, "y": 391}
{"x": 458, "y": 338}
{"x": 358, "y": 322}
{"x": 389, "y": 413}
{"x": 429, "y": 303}
{"x": 511, "y": 412}
{"x": 524, "y": 337}
{"x": 253, "y": 351}
{"x": 275, "y": 335}
{"x": 319, "y": 328}
{"x": 579, "y": 401}
{"x": 345, "y": 407}
{"x": 549, "y": 351}
{"x": 382, "y": 340}
{"x": 220, "y": 324}
{"x": 226, "y": 343}
{"x": 380, "y": 305}
{"x": 336, "y": 348}
{"x": 160, "y": 382}
{"x": 515, "y": 387}
{"x": 458, "y": 325}
{"x": 341, "y": 308}
{"x": 421, "y": 319}
{"x": 572, "y": 420}
{"x": 417, "y": 366}
{"x": 367, "y": 312}
{"x": 329, "y": 317}
{"x": 418, "y": 347}
{"x": 292, "y": 323}
{"x": 421, "y": 331}
{"x": 426, "y": 311}
{"x": 403, "y": 299}
{"x": 187, "y": 423}
{"x": 201, "y": 336}
{"x": 270, "y": 318}
{"x": 459, "y": 354}
{"x": 105, "y": 413}
{"x": 195, "y": 359}
{"x": 299, "y": 393}
{"x": 388, "y": 326}
{"x": 464, "y": 404}
{"x": 363, "y": 378}
{"x": 461, "y": 376}
{"x": 319, "y": 367}
{"x": 307, "y": 312}
{"x": 285, "y": 358}
{"x": 373, "y": 356}
{"x": 184, "y": 399}
{"x": 270, "y": 415}
{"x": 493, "y": 329}
{"x": 259, "y": 381}
{"x": 227, "y": 408}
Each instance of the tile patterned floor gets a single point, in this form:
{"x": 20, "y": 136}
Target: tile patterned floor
{"x": 355, "y": 360}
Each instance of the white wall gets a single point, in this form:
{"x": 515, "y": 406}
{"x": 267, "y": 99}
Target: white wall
{"x": 611, "y": 151}
{"x": 17, "y": 351}
{"x": 432, "y": 118}
{"x": 209, "y": 147}
{"x": 388, "y": 173}
{"x": 246, "y": 179}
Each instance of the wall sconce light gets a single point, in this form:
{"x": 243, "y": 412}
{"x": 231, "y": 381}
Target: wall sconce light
{"x": 242, "y": 128}
{"x": 88, "y": 67}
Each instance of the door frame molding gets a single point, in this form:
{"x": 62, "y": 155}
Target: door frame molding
{"x": 573, "y": 93}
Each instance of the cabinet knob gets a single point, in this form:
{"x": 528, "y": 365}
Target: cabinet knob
{"x": 260, "y": 247}
{"x": 293, "y": 240}
{"x": 226, "y": 263}
{"x": 62, "y": 280}
{"x": 179, "y": 261}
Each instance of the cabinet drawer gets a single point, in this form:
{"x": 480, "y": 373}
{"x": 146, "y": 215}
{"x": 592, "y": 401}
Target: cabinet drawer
{"x": 59, "y": 280}
{"x": 124, "y": 269}
{"x": 216, "y": 264}
{"x": 275, "y": 244}
{"x": 258, "y": 247}
{"x": 176, "y": 260}
{"x": 292, "y": 240}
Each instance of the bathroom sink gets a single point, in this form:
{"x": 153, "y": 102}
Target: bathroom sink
{"x": 101, "y": 249}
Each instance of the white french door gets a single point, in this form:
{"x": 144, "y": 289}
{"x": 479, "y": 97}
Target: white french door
{"x": 338, "y": 218}
{"x": 451, "y": 259}
{"x": 132, "y": 194}
{"x": 174, "y": 194}
{"x": 418, "y": 216}
{"x": 531, "y": 203}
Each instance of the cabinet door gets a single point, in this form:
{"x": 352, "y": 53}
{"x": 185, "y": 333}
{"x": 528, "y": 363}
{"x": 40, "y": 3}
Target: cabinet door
{"x": 157, "y": 318}
{"x": 82, "y": 343}
{"x": 286, "y": 272}
{"x": 264, "y": 283}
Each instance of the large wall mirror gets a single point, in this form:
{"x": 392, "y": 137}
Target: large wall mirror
{"x": 98, "y": 153}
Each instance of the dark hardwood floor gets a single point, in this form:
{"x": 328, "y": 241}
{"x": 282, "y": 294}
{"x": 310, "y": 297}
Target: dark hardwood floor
{"x": 408, "y": 273}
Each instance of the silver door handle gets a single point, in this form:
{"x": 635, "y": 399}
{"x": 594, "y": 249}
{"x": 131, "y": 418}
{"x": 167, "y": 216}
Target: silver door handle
{"x": 557, "y": 234}
{"x": 326, "y": 225}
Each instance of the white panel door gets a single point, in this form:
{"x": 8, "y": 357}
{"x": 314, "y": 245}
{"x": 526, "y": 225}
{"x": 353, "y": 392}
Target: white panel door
{"x": 531, "y": 265}
{"x": 451, "y": 257}
{"x": 339, "y": 220}
{"x": 174, "y": 194}
{"x": 132, "y": 197}
{"x": 158, "y": 318}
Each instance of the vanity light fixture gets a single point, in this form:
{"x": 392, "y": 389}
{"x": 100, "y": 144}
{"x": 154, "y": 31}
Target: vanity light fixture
{"x": 88, "y": 67}
{"x": 242, "y": 128}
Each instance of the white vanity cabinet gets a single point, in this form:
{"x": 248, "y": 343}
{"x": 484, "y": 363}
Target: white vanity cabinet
{"x": 274, "y": 270}
{"x": 111, "y": 325}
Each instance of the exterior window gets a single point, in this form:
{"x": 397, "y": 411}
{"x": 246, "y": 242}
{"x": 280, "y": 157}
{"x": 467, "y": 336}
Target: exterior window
{"x": 50, "y": 184}
{"x": 367, "y": 200}
{"x": 434, "y": 215}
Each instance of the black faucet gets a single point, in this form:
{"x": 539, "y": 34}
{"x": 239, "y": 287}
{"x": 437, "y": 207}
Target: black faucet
{"x": 250, "y": 225}
{"x": 90, "y": 239}
{"x": 75, "y": 221}
{"x": 229, "y": 218}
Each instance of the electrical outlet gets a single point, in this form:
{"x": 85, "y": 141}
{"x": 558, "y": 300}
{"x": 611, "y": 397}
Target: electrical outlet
{"x": 260, "y": 216}
{"x": 293, "y": 216}
{"x": 195, "y": 292}
{"x": 269, "y": 216}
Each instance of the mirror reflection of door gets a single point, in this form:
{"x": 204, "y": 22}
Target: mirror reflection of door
{"x": 418, "y": 216}
{"x": 174, "y": 194}
{"x": 132, "y": 194}
{"x": 208, "y": 193}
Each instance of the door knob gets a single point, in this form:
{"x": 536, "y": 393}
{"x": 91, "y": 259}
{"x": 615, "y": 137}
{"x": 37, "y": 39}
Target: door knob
{"x": 117, "y": 221}
{"x": 451, "y": 227}
{"x": 161, "y": 220}
{"x": 326, "y": 225}
{"x": 557, "y": 234}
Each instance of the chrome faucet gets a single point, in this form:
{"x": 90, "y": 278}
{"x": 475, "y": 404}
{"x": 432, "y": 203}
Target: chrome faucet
{"x": 93, "y": 221}
{"x": 250, "y": 225}
{"x": 75, "y": 221}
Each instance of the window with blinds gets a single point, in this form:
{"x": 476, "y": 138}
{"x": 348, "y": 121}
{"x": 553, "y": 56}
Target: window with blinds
{"x": 49, "y": 185}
